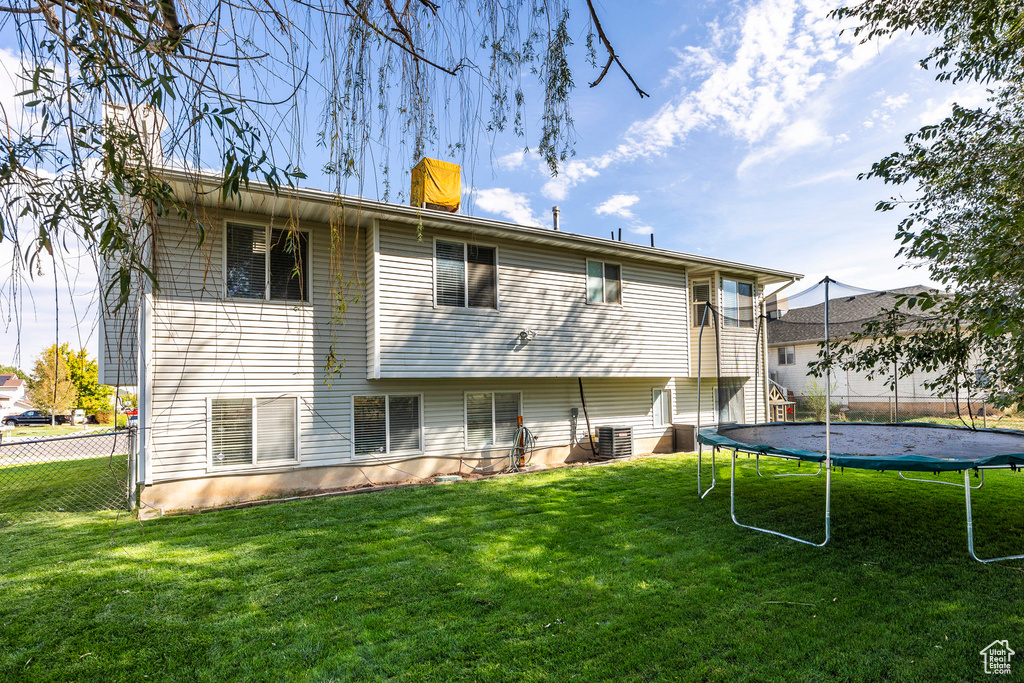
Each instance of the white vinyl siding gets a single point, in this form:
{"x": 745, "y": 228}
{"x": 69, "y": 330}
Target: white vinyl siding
{"x": 465, "y": 275}
{"x": 247, "y": 432}
{"x": 604, "y": 283}
{"x": 662, "y": 410}
{"x": 266, "y": 263}
{"x": 388, "y": 423}
{"x": 492, "y": 419}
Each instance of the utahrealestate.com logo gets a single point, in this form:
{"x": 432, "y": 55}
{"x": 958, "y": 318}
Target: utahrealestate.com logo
{"x": 997, "y": 657}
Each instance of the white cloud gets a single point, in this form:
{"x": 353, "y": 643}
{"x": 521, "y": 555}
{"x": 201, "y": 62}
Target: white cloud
{"x": 640, "y": 229}
{"x": 757, "y": 79}
{"x": 569, "y": 176}
{"x": 972, "y": 95}
{"x": 798, "y": 135}
{"x": 617, "y": 205}
{"x": 895, "y": 102}
{"x": 502, "y": 201}
{"x": 511, "y": 161}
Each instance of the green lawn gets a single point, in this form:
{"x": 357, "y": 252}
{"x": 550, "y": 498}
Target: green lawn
{"x": 67, "y": 486}
{"x": 615, "y": 573}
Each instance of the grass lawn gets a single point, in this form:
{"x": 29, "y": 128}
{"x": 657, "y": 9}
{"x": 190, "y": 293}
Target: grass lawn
{"x": 615, "y": 573}
{"x": 39, "y": 431}
{"x": 67, "y": 486}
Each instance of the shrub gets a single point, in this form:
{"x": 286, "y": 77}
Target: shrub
{"x": 104, "y": 418}
{"x": 814, "y": 402}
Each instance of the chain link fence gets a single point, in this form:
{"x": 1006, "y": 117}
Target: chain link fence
{"x": 892, "y": 409}
{"x": 78, "y": 473}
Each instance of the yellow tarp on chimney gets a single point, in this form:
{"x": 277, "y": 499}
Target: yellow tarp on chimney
{"x": 437, "y": 185}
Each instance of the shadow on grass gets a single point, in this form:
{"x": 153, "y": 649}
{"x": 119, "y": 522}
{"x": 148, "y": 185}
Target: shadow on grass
{"x": 609, "y": 573}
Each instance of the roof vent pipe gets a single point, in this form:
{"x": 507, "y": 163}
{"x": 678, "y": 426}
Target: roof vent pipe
{"x": 554, "y": 217}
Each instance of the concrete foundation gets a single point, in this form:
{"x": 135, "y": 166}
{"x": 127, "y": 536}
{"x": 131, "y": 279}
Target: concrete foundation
{"x": 226, "y": 489}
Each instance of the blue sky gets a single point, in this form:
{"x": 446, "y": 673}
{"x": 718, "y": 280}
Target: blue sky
{"x": 761, "y": 116}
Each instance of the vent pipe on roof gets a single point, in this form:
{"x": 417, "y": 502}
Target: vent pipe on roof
{"x": 652, "y": 239}
{"x": 620, "y": 234}
{"x": 554, "y": 217}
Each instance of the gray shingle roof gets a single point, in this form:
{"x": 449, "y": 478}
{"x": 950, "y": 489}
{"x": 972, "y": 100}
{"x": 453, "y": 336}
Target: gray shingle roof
{"x": 846, "y": 316}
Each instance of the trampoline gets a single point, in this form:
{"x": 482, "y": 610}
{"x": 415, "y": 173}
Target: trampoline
{"x": 902, "y": 448}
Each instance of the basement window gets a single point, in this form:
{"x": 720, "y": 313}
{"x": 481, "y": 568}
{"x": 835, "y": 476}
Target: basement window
{"x": 662, "y": 407}
{"x": 465, "y": 275}
{"x": 387, "y": 423}
{"x": 604, "y": 283}
{"x": 492, "y": 419}
{"x": 247, "y": 432}
{"x": 266, "y": 263}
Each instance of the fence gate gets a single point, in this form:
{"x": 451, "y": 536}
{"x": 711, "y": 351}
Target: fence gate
{"x": 78, "y": 473}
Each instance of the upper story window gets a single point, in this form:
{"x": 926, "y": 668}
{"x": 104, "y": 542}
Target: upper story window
{"x": 246, "y": 432}
{"x": 465, "y": 275}
{"x": 787, "y": 355}
{"x": 267, "y": 263}
{"x": 604, "y": 283}
{"x": 738, "y": 303}
{"x": 701, "y": 299}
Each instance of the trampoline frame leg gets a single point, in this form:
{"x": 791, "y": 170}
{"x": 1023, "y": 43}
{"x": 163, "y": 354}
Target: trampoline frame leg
{"x": 757, "y": 465}
{"x": 970, "y": 526}
{"x": 828, "y": 508}
{"x": 945, "y": 483}
{"x": 700, "y": 453}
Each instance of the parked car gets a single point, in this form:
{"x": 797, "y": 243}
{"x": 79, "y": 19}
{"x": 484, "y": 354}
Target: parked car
{"x": 34, "y": 417}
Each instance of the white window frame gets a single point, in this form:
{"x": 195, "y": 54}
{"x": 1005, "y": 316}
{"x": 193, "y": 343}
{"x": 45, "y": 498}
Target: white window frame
{"x": 268, "y": 232}
{"x": 494, "y": 427}
{"x": 604, "y": 284}
{"x": 656, "y": 395}
{"x": 465, "y": 276}
{"x": 255, "y": 435}
{"x": 694, "y": 303}
{"x": 753, "y": 302}
{"x": 387, "y": 423}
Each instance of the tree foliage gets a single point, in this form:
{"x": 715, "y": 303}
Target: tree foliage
{"x": 964, "y": 207}
{"x": 51, "y": 388}
{"x": 11, "y": 370}
{"x": 230, "y": 84}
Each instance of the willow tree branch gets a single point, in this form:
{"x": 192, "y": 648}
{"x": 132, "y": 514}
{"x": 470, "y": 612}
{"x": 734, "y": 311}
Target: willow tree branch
{"x": 612, "y": 57}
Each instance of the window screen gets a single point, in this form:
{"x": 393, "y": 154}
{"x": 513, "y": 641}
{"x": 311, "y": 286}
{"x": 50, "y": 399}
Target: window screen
{"x": 479, "y": 420}
{"x": 612, "y": 284}
{"x": 231, "y": 431}
{"x": 604, "y": 283}
{"x": 481, "y": 273}
{"x": 451, "y": 274}
{"x": 701, "y": 297}
{"x": 787, "y": 355}
{"x": 506, "y": 417}
{"x": 370, "y": 418}
{"x": 404, "y": 423}
{"x": 662, "y": 407}
{"x": 246, "y": 261}
{"x": 289, "y": 260}
{"x": 729, "y": 398}
{"x": 275, "y": 430}
{"x": 491, "y": 419}
{"x": 738, "y": 303}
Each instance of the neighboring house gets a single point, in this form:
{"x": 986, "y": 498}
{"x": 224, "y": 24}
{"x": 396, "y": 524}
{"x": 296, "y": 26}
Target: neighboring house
{"x": 12, "y": 395}
{"x": 794, "y": 338}
{"x": 453, "y": 327}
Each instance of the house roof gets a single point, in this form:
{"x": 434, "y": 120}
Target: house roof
{"x": 845, "y": 316}
{"x": 10, "y": 381}
{"x": 322, "y": 207}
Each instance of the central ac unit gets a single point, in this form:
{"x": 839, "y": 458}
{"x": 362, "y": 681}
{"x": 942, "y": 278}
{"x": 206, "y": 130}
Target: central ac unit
{"x": 615, "y": 442}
